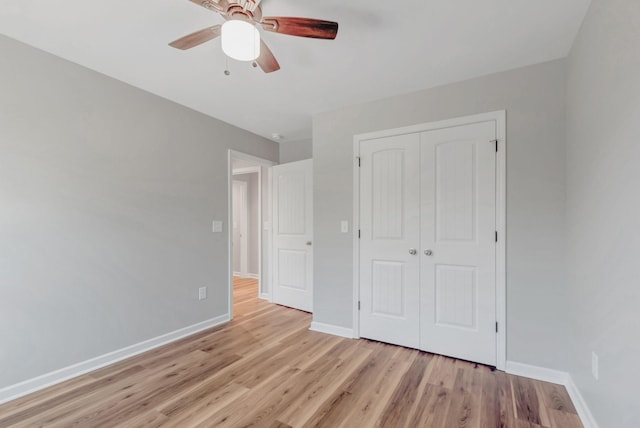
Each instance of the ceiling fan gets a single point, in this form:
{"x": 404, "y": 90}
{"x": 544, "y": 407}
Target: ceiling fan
{"x": 239, "y": 32}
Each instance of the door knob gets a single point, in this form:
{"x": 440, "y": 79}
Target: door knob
{"x": 413, "y": 251}
{"x": 428, "y": 253}
{"x": 309, "y": 243}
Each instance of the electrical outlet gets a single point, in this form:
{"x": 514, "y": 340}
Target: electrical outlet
{"x": 344, "y": 226}
{"x": 202, "y": 293}
{"x": 217, "y": 226}
{"x": 595, "y": 369}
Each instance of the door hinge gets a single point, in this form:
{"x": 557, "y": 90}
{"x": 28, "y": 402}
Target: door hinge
{"x": 359, "y": 161}
{"x": 496, "y": 327}
{"x": 496, "y": 236}
{"x": 496, "y": 143}
{"x": 358, "y": 304}
{"x": 358, "y": 233}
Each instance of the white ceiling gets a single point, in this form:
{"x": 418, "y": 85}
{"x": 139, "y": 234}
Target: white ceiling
{"x": 382, "y": 49}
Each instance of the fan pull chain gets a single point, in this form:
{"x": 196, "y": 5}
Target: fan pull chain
{"x": 226, "y": 70}
{"x": 254, "y": 64}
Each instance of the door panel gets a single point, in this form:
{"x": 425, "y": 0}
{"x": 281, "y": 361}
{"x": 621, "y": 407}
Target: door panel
{"x": 455, "y": 188}
{"x": 455, "y": 289}
{"x": 389, "y": 225}
{"x": 293, "y": 234}
{"x": 457, "y": 301}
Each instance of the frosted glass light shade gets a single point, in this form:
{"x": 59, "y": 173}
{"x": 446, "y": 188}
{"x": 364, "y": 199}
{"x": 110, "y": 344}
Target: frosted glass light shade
{"x": 240, "y": 40}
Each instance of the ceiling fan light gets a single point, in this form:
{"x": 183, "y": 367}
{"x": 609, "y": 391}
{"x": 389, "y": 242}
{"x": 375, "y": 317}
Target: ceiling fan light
{"x": 240, "y": 40}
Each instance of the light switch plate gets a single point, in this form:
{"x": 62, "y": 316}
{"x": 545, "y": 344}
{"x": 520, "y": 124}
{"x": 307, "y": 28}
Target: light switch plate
{"x": 217, "y": 226}
{"x": 202, "y": 293}
{"x": 344, "y": 226}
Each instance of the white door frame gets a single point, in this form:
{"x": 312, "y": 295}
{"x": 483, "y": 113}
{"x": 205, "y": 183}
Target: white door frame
{"x": 500, "y": 118}
{"x": 244, "y": 226}
{"x": 262, "y": 280}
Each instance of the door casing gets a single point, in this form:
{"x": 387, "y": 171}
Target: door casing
{"x": 500, "y": 119}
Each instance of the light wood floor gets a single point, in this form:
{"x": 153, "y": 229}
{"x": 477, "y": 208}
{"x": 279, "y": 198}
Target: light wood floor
{"x": 266, "y": 369}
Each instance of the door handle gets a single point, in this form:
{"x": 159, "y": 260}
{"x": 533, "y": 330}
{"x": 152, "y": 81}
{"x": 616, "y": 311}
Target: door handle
{"x": 428, "y": 253}
{"x": 308, "y": 243}
{"x": 413, "y": 251}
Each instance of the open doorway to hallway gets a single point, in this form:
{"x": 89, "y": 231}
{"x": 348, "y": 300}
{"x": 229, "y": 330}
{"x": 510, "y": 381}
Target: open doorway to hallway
{"x": 249, "y": 223}
{"x": 245, "y": 225}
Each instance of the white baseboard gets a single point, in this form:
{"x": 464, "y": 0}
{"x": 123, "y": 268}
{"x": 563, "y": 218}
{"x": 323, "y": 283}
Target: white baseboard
{"x": 332, "y": 329}
{"x": 265, "y": 296}
{"x": 32, "y": 385}
{"x": 581, "y": 406}
{"x": 560, "y": 378}
{"x": 537, "y": 373}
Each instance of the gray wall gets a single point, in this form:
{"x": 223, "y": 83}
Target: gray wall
{"x": 603, "y": 209}
{"x": 534, "y": 98}
{"x": 253, "y": 242}
{"x": 296, "y": 151}
{"x": 107, "y": 196}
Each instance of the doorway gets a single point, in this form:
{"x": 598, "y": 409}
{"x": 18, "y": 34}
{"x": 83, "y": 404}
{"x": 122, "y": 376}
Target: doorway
{"x": 249, "y": 219}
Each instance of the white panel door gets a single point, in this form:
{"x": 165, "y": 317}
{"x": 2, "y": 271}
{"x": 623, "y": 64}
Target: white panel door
{"x": 458, "y": 282}
{"x": 293, "y": 234}
{"x": 390, "y": 239}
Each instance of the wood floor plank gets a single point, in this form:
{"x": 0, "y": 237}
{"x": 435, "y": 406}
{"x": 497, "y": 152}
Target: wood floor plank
{"x": 320, "y": 388}
{"x": 555, "y": 397}
{"x": 198, "y": 410}
{"x": 149, "y": 419}
{"x": 497, "y": 401}
{"x": 338, "y": 406}
{"x": 526, "y": 400}
{"x": 444, "y": 372}
{"x": 433, "y": 407}
{"x": 266, "y": 369}
{"x": 396, "y": 413}
{"x": 285, "y": 394}
{"x": 230, "y": 415}
{"x": 64, "y": 399}
{"x": 278, "y": 424}
{"x": 368, "y": 408}
{"x": 465, "y": 407}
{"x": 564, "y": 419}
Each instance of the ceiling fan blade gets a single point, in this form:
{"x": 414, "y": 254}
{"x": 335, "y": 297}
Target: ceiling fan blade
{"x": 197, "y": 38}
{"x": 267, "y": 62}
{"x": 213, "y": 5}
{"x": 301, "y": 27}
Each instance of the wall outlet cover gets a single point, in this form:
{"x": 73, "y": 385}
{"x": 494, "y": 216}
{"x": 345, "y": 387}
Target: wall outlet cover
{"x": 202, "y": 293}
{"x": 217, "y": 226}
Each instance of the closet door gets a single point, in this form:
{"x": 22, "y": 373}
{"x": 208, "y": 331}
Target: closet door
{"x": 458, "y": 197}
{"x": 390, "y": 239}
